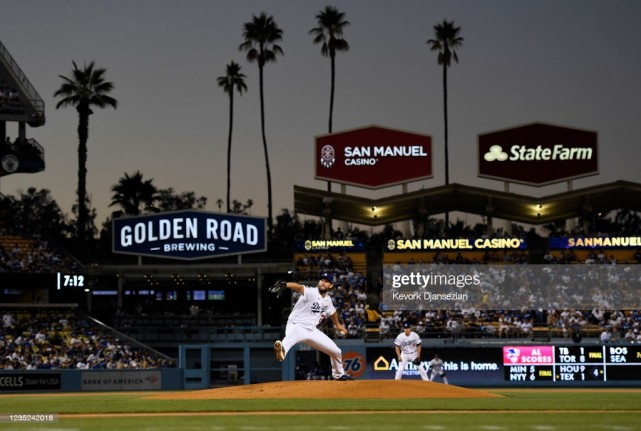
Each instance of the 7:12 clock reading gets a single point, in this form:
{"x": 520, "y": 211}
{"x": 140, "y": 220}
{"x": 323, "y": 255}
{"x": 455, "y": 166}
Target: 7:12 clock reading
{"x": 70, "y": 280}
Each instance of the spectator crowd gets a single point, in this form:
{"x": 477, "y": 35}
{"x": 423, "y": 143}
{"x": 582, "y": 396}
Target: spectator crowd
{"x": 41, "y": 338}
{"x": 18, "y": 254}
{"x": 55, "y": 339}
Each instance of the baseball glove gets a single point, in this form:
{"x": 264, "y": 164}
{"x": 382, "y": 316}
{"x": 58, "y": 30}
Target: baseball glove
{"x": 417, "y": 362}
{"x": 278, "y": 288}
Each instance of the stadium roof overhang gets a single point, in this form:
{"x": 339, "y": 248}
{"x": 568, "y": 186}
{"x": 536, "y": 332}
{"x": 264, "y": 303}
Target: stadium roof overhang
{"x": 472, "y": 200}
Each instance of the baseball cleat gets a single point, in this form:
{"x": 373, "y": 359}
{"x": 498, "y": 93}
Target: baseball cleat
{"x": 278, "y": 349}
{"x": 346, "y": 377}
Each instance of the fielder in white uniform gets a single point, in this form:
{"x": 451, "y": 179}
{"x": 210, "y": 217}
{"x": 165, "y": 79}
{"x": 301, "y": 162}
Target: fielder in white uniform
{"x": 408, "y": 348}
{"x": 312, "y": 307}
{"x": 436, "y": 365}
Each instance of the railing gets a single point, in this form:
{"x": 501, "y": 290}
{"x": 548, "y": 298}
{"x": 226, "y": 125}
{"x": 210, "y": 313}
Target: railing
{"x": 205, "y": 334}
{"x": 127, "y": 338}
{"x": 36, "y": 146}
{"x": 36, "y": 104}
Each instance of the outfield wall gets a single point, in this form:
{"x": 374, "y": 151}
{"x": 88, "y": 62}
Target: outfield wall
{"x": 512, "y": 363}
{"x": 479, "y": 363}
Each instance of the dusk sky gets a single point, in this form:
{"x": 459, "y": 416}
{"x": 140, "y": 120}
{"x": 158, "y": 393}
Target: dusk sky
{"x": 570, "y": 63}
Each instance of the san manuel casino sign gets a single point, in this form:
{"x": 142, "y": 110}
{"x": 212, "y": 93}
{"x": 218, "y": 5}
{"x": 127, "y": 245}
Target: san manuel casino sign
{"x": 538, "y": 154}
{"x": 373, "y": 157}
{"x": 189, "y": 235}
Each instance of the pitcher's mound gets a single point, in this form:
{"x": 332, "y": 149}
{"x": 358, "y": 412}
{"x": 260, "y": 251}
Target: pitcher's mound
{"x": 331, "y": 389}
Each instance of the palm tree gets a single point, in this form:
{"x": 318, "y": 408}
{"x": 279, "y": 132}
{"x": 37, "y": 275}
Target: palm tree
{"x": 232, "y": 80}
{"x": 133, "y": 194}
{"x": 261, "y": 35}
{"x": 447, "y": 39}
{"x": 85, "y": 89}
{"x": 330, "y": 33}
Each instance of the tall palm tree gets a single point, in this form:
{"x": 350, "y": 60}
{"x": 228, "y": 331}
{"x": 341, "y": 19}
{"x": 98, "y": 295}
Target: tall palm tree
{"x": 85, "y": 89}
{"x": 232, "y": 80}
{"x": 446, "y": 40}
{"x": 133, "y": 194}
{"x": 261, "y": 35}
{"x": 330, "y": 33}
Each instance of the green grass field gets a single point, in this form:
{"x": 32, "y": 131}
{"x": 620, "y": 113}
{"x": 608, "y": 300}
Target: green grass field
{"x": 540, "y": 410}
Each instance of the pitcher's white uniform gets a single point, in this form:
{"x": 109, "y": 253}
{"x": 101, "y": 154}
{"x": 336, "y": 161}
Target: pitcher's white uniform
{"x": 310, "y": 309}
{"x": 408, "y": 342}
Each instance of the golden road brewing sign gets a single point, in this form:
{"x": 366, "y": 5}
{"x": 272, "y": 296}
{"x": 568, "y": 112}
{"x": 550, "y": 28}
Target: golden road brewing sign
{"x": 189, "y": 235}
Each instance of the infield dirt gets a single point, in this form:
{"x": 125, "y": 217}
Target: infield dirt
{"x": 323, "y": 389}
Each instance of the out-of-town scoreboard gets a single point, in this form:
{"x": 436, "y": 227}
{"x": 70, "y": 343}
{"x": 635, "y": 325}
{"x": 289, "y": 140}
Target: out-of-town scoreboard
{"x": 572, "y": 363}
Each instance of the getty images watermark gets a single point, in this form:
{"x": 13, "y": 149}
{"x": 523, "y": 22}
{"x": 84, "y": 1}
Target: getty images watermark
{"x": 421, "y": 286}
{"x": 511, "y": 287}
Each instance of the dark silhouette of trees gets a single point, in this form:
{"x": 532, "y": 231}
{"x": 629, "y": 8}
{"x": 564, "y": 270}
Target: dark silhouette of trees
{"x": 133, "y": 194}
{"x": 35, "y": 213}
{"x": 168, "y": 200}
{"x": 329, "y": 34}
{"x": 261, "y": 35}
{"x": 446, "y": 40}
{"x": 232, "y": 80}
{"x": 86, "y": 88}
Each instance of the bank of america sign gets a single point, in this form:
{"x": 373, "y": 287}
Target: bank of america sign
{"x": 189, "y": 235}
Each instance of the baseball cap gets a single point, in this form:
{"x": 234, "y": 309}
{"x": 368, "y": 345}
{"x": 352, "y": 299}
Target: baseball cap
{"x": 326, "y": 276}
{"x": 407, "y": 325}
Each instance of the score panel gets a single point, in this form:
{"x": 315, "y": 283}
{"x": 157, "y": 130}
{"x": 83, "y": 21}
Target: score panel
{"x": 571, "y": 363}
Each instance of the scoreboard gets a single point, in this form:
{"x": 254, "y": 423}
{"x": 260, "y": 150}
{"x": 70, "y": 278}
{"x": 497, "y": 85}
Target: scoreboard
{"x": 513, "y": 365}
{"x": 571, "y": 363}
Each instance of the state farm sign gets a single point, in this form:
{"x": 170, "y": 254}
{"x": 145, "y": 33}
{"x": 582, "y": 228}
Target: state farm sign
{"x": 538, "y": 154}
{"x": 373, "y": 157}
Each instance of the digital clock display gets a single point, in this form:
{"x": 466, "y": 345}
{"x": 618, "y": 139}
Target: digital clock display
{"x": 70, "y": 280}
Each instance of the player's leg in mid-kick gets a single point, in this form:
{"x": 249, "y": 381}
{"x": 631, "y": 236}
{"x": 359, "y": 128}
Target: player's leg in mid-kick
{"x": 319, "y": 341}
{"x": 294, "y": 334}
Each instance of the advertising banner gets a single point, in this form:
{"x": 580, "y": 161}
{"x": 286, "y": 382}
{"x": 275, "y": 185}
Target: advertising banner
{"x": 586, "y": 242}
{"x": 110, "y": 380}
{"x": 373, "y": 157}
{"x": 456, "y": 244}
{"x": 28, "y": 381}
{"x": 463, "y": 365}
{"x": 189, "y": 235}
{"x": 538, "y": 154}
{"x": 346, "y": 245}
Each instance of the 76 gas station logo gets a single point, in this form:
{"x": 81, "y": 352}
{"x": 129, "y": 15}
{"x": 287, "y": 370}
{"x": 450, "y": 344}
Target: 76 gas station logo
{"x": 354, "y": 363}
